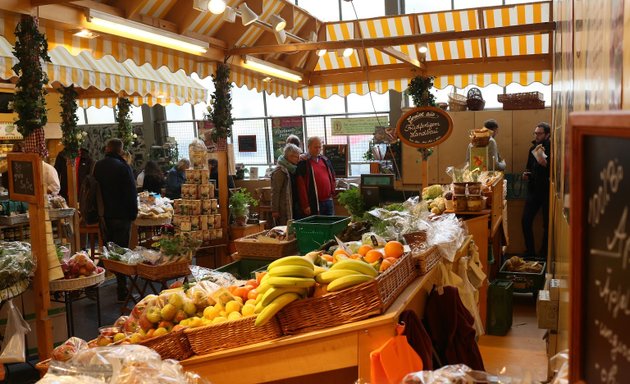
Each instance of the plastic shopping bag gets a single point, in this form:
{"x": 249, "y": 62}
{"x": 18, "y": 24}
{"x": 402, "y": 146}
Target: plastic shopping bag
{"x": 394, "y": 360}
{"x": 13, "y": 345}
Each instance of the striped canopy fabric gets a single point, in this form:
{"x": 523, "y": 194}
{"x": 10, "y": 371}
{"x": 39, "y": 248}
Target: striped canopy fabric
{"x": 142, "y": 84}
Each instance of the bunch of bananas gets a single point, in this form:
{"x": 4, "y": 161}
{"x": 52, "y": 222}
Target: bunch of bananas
{"x": 287, "y": 280}
{"x": 345, "y": 274}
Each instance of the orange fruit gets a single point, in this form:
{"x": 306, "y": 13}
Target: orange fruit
{"x": 259, "y": 276}
{"x": 340, "y": 251}
{"x": 364, "y": 249}
{"x": 252, "y": 294}
{"x": 372, "y": 256}
{"x": 394, "y": 249}
{"x": 327, "y": 257}
{"x": 355, "y": 256}
{"x": 386, "y": 263}
{"x": 252, "y": 282}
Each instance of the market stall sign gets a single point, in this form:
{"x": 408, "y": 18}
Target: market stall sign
{"x": 424, "y": 127}
{"x": 600, "y": 225}
{"x": 357, "y": 125}
{"x": 338, "y": 156}
{"x": 8, "y": 131}
{"x": 25, "y": 177}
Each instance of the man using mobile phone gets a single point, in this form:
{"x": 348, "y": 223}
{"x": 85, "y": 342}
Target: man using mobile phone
{"x": 537, "y": 176}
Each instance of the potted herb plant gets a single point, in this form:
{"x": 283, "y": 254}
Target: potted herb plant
{"x": 240, "y": 201}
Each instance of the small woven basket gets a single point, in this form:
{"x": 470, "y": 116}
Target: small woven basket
{"x": 352, "y": 304}
{"x": 480, "y": 141}
{"x": 173, "y": 345}
{"x": 231, "y": 334}
{"x": 78, "y": 283}
{"x": 457, "y": 102}
{"x": 249, "y": 247}
{"x": 164, "y": 271}
{"x": 120, "y": 267}
{"x": 523, "y": 100}
{"x": 425, "y": 261}
{"x": 476, "y": 104}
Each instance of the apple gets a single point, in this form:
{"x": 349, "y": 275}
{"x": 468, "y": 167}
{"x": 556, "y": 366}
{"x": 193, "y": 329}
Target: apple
{"x": 160, "y": 332}
{"x": 154, "y": 315}
{"x": 176, "y": 300}
{"x": 190, "y": 308}
{"x": 181, "y": 315}
{"x": 168, "y": 312}
{"x": 144, "y": 323}
{"x": 166, "y": 324}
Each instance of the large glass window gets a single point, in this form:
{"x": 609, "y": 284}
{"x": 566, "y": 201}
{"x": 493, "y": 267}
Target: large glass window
{"x": 363, "y": 103}
{"x": 325, "y": 10}
{"x": 246, "y": 103}
{"x": 104, "y": 115}
{"x": 319, "y": 106}
{"x": 136, "y": 114}
{"x": 461, "y": 4}
{"x": 418, "y": 6}
{"x": 81, "y": 116}
{"x": 364, "y": 9}
{"x": 283, "y": 106}
{"x": 178, "y": 112}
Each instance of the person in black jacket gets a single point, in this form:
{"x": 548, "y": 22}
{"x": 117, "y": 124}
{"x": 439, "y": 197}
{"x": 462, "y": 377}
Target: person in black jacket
{"x": 537, "y": 176}
{"x": 153, "y": 178}
{"x": 120, "y": 199}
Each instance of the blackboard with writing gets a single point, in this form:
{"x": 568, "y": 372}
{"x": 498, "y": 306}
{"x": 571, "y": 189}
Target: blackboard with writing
{"x": 247, "y": 143}
{"x": 338, "y": 156}
{"x": 600, "y": 248}
{"x": 424, "y": 127}
{"x": 23, "y": 178}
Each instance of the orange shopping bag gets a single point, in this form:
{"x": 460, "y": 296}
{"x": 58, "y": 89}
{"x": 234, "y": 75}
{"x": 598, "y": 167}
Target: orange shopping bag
{"x": 394, "y": 360}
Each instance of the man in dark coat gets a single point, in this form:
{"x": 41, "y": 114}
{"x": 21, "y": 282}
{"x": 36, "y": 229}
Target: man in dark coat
{"x": 537, "y": 176}
{"x": 315, "y": 180}
{"x": 120, "y": 199}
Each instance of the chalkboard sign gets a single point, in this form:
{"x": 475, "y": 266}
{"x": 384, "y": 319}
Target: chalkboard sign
{"x": 25, "y": 177}
{"x": 283, "y": 127}
{"x": 424, "y": 127}
{"x": 247, "y": 143}
{"x": 600, "y": 266}
{"x": 338, "y": 156}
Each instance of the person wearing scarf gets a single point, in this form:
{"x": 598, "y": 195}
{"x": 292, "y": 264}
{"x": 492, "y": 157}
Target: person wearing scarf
{"x": 283, "y": 186}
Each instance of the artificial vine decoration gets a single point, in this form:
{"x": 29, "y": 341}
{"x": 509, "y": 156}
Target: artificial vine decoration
{"x": 419, "y": 89}
{"x": 221, "y": 102}
{"x": 123, "y": 118}
{"x": 72, "y": 137}
{"x": 31, "y": 48}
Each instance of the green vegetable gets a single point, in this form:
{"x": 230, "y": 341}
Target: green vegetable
{"x": 352, "y": 200}
{"x": 431, "y": 192}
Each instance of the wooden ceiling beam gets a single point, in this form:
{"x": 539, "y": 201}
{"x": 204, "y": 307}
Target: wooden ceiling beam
{"x": 516, "y": 30}
{"x": 37, "y": 3}
{"x": 131, "y": 7}
{"x": 402, "y": 57}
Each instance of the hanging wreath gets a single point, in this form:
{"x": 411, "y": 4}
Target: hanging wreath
{"x": 72, "y": 137}
{"x": 31, "y": 49}
{"x": 123, "y": 118}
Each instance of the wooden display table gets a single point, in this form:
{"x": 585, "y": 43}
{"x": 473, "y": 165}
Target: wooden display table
{"x": 345, "y": 346}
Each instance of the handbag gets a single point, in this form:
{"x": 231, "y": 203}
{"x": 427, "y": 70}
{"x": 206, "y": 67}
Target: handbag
{"x": 391, "y": 362}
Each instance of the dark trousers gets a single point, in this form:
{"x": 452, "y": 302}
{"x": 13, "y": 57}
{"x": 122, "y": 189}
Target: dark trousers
{"x": 534, "y": 202}
{"x": 118, "y": 231}
{"x": 327, "y": 207}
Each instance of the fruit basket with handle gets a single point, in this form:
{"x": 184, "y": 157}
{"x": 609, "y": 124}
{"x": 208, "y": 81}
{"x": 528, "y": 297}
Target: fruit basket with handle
{"x": 79, "y": 282}
{"x": 352, "y": 304}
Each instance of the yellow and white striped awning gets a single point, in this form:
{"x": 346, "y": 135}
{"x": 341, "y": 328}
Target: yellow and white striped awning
{"x": 143, "y": 84}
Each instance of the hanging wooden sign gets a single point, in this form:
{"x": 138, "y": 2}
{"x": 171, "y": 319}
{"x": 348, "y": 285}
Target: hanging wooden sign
{"x": 424, "y": 127}
{"x": 600, "y": 249}
{"x": 25, "y": 176}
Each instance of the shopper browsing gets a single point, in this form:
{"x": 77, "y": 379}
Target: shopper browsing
{"x": 175, "y": 178}
{"x": 496, "y": 161}
{"x": 283, "y": 186}
{"x": 153, "y": 179}
{"x": 120, "y": 199}
{"x": 537, "y": 176}
{"x": 315, "y": 180}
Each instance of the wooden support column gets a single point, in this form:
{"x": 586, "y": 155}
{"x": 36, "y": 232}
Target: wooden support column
{"x": 73, "y": 202}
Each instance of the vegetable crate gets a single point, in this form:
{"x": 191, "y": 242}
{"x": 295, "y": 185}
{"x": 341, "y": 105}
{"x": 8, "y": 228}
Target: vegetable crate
{"x": 313, "y": 231}
{"x": 524, "y": 282}
{"x": 245, "y": 269}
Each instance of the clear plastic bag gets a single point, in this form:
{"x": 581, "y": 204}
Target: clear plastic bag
{"x": 117, "y": 253}
{"x": 447, "y": 233}
{"x": 67, "y": 350}
{"x": 16, "y": 263}
{"x": 222, "y": 279}
{"x": 78, "y": 265}
{"x": 459, "y": 373}
{"x": 13, "y": 343}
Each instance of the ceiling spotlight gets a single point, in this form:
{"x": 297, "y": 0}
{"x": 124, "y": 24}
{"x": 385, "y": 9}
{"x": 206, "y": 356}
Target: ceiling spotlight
{"x": 277, "y": 22}
{"x": 347, "y": 52}
{"x": 267, "y": 79}
{"x": 423, "y": 49}
{"x": 86, "y": 34}
{"x": 247, "y": 15}
{"x": 281, "y": 36}
{"x": 216, "y": 6}
{"x": 321, "y": 52}
{"x": 229, "y": 15}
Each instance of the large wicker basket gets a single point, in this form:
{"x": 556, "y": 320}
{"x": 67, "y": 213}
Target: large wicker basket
{"x": 425, "y": 261}
{"x": 352, "y": 304}
{"x": 231, "y": 334}
{"x": 78, "y": 283}
{"x": 456, "y": 102}
{"x": 173, "y": 345}
{"x": 120, "y": 267}
{"x": 523, "y": 100}
{"x": 249, "y": 248}
{"x": 164, "y": 271}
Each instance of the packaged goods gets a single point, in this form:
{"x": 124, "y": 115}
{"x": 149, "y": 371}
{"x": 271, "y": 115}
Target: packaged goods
{"x": 194, "y": 223}
{"x": 204, "y": 191}
{"x": 203, "y": 222}
{"x": 206, "y": 207}
{"x": 214, "y": 204}
{"x": 204, "y": 176}
{"x": 199, "y": 159}
{"x": 217, "y": 221}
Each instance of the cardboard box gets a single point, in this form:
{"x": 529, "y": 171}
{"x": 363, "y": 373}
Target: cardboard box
{"x": 546, "y": 311}
{"x": 554, "y": 289}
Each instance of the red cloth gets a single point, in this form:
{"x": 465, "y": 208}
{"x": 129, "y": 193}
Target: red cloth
{"x": 322, "y": 179}
{"x": 36, "y": 143}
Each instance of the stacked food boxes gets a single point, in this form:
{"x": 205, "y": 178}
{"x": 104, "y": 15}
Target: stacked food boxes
{"x": 197, "y": 212}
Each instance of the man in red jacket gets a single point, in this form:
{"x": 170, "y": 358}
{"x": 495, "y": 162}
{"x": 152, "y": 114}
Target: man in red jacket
{"x": 315, "y": 180}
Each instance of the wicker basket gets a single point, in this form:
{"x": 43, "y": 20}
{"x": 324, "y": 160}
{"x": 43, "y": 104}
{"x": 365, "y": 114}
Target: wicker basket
{"x": 249, "y": 248}
{"x": 425, "y": 261}
{"x": 78, "y": 283}
{"x": 42, "y": 367}
{"x": 14, "y": 290}
{"x": 476, "y": 104}
{"x": 352, "y": 304}
{"x": 456, "y": 102}
{"x": 231, "y": 334}
{"x": 523, "y": 100}
{"x": 120, "y": 267}
{"x": 164, "y": 271}
{"x": 173, "y": 345}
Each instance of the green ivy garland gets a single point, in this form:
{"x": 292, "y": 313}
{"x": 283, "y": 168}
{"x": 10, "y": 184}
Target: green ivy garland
{"x": 123, "y": 118}
{"x": 221, "y": 103}
{"x": 419, "y": 89}
{"x": 31, "y": 48}
{"x": 72, "y": 137}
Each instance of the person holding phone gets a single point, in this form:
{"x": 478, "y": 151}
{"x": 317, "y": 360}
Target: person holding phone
{"x": 537, "y": 176}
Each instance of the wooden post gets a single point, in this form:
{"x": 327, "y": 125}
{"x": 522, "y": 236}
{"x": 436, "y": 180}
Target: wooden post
{"x": 73, "y": 202}
{"x": 424, "y": 166}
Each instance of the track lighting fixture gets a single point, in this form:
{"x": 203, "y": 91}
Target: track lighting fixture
{"x": 281, "y": 36}
{"x": 277, "y": 22}
{"x": 229, "y": 15}
{"x": 247, "y": 15}
{"x": 216, "y": 6}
